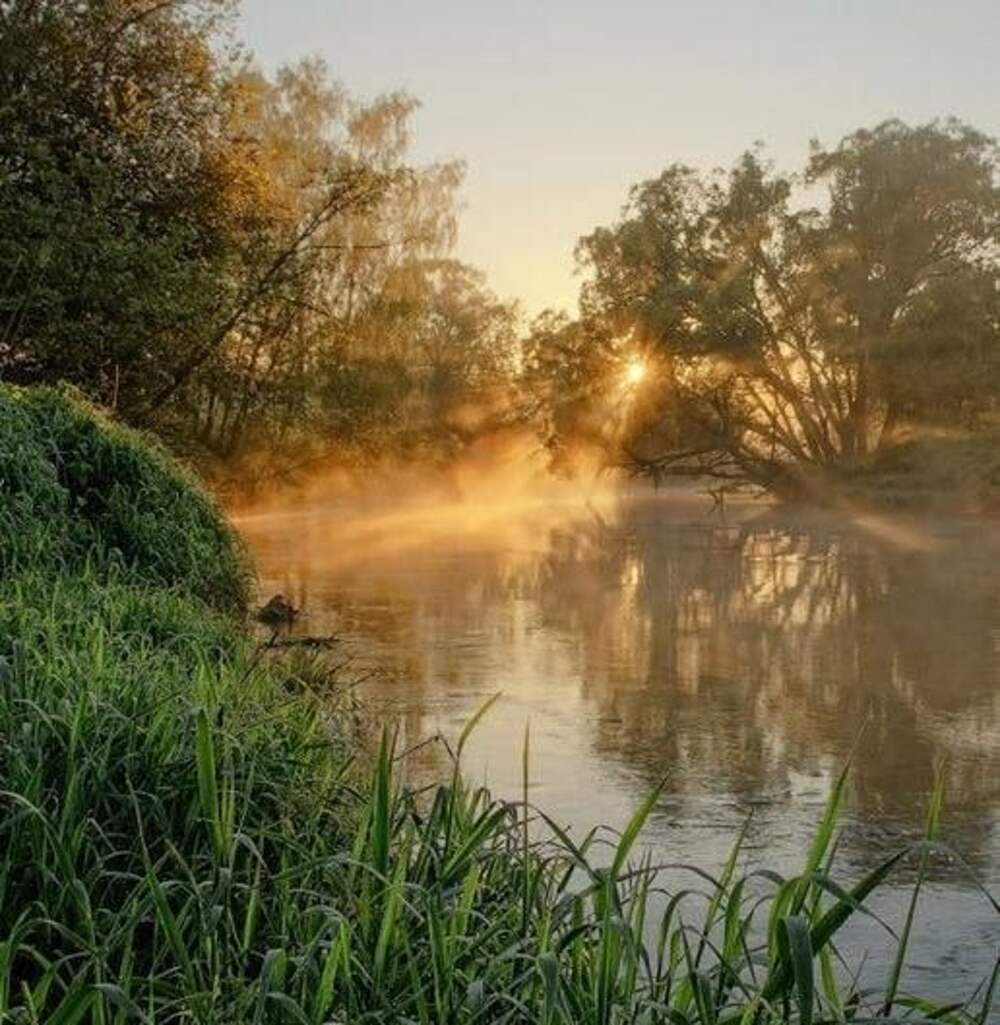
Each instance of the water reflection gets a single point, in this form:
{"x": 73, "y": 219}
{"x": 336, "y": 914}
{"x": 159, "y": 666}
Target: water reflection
{"x": 739, "y": 658}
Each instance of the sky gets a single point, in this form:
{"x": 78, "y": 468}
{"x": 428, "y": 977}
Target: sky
{"x": 558, "y": 106}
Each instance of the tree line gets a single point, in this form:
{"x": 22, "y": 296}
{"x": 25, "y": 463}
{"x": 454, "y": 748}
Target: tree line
{"x": 252, "y": 264}
{"x": 244, "y": 263}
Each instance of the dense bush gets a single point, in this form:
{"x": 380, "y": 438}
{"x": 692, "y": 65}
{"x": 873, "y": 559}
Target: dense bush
{"x": 76, "y": 487}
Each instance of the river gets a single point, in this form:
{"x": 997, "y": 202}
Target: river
{"x": 740, "y": 657}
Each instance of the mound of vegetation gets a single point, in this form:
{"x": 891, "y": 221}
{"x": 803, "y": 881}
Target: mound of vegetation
{"x": 76, "y": 488}
{"x": 184, "y": 836}
{"x": 946, "y": 471}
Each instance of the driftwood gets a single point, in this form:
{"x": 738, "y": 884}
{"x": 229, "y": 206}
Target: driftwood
{"x": 306, "y": 641}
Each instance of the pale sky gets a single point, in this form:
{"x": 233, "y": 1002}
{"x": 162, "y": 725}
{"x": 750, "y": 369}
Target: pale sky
{"x": 557, "y": 106}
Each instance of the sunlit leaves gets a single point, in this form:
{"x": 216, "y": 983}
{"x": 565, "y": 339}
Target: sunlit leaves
{"x": 799, "y": 339}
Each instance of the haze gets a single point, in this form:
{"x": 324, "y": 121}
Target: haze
{"x": 383, "y": 641}
{"x": 559, "y": 107}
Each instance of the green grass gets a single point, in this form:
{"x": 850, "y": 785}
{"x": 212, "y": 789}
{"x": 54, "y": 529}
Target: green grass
{"x": 79, "y": 490}
{"x": 185, "y": 836}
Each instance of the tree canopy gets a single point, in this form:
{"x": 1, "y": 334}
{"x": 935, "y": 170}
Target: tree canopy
{"x": 788, "y": 332}
{"x": 224, "y": 256}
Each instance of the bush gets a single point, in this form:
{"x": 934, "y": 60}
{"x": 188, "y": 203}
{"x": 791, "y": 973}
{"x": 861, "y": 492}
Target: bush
{"x": 77, "y": 488}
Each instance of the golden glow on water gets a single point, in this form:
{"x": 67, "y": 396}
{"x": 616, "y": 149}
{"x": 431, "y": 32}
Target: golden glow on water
{"x": 736, "y": 657}
{"x": 622, "y": 608}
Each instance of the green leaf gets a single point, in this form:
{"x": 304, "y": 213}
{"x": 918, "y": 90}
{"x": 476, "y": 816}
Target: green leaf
{"x": 795, "y": 930}
{"x": 631, "y": 832}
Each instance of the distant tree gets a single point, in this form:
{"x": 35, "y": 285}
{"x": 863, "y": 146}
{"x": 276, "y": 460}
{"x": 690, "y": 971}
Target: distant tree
{"x": 462, "y": 337}
{"x": 332, "y": 352}
{"x": 789, "y": 341}
{"x": 909, "y": 253}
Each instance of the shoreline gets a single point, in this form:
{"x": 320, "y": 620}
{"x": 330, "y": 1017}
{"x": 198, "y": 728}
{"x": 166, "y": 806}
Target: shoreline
{"x": 187, "y": 835}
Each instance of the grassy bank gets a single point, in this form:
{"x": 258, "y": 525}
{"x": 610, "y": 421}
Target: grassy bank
{"x": 184, "y": 836}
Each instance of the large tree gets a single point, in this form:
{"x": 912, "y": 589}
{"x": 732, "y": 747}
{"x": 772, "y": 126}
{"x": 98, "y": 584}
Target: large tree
{"x": 144, "y": 221}
{"x": 787, "y": 341}
{"x": 314, "y": 353}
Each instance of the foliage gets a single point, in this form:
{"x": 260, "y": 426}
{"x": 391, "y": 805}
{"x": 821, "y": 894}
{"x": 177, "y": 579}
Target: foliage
{"x": 786, "y": 341}
{"x": 76, "y": 489}
{"x": 574, "y": 388}
{"x": 116, "y": 249}
{"x": 184, "y": 838}
{"x": 154, "y": 205}
{"x": 304, "y": 363}
{"x": 239, "y": 262}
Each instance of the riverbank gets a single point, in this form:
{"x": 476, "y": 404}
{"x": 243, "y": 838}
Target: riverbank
{"x": 188, "y": 834}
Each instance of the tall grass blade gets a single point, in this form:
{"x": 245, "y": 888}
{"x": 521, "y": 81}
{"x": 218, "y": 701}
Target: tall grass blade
{"x": 930, "y": 834}
{"x": 73, "y": 1007}
{"x": 989, "y": 995}
{"x": 208, "y": 787}
{"x": 631, "y": 832}
{"x": 474, "y": 721}
{"x": 795, "y": 930}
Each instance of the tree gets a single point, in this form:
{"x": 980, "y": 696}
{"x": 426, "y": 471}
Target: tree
{"x": 112, "y": 225}
{"x": 147, "y": 224}
{"x": 910, "y": 249}
{"x": 787, "y": 342}
{"x": 462, "y": 341}
{"x": 574, "y": 388}
{"x": 325, "y": 354}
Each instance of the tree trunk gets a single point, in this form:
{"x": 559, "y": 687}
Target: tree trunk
{"x": 859, "y": 412}
{"x": 888, "y": 433}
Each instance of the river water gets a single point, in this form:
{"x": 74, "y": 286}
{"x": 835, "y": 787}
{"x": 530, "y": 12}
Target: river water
{"x": 740, "y": 657}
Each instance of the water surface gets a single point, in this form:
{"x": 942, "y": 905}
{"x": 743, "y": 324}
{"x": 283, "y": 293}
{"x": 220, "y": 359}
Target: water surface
{"x": 738, "y": 657}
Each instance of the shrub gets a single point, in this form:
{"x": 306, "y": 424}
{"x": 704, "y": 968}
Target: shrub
{"x": 77, "y": 488}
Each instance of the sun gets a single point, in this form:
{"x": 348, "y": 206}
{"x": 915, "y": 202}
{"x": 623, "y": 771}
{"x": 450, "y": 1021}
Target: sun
{"x": 635, "y": 371}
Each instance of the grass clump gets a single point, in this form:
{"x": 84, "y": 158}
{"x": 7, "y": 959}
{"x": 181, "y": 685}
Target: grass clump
{"x": 183, "y": 838}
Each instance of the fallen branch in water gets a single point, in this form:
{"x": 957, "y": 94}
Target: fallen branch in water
{"x": 307, "y": 641}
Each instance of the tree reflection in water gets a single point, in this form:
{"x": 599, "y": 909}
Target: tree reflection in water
{"x": 729, "y": 655}
{"x": 739, "y": 657}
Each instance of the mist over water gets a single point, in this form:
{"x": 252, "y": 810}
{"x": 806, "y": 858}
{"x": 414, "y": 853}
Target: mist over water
{"x": 738, "y": 656}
